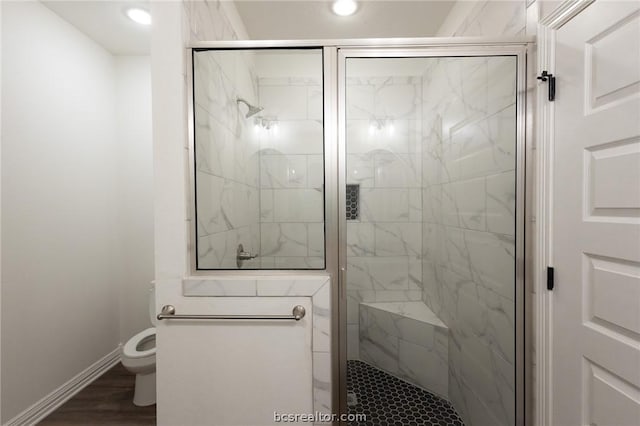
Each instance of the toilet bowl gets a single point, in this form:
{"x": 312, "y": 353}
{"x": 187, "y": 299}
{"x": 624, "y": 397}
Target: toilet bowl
{"x": 139, "y": 357}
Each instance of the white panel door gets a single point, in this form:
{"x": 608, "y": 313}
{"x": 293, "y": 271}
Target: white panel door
{"x": 223, "y": 373}
{"x": 596, "y": 218}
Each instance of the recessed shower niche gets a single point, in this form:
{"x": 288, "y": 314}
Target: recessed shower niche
{"x": 259, "y": 164}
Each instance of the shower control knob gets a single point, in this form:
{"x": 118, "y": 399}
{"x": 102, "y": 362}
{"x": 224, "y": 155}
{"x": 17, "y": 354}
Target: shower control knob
{"x": 245, "y": 255}
{"x": 242, "y": 255}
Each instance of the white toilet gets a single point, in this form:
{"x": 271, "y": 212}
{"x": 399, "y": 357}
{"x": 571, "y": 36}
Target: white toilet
{"x": 139, "y": 357}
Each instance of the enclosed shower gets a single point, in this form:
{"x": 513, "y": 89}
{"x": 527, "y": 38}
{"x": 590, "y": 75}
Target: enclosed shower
{"x": 398, "y": 169}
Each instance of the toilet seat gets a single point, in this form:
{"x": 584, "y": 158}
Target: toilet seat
{"x": 130, "y": 348}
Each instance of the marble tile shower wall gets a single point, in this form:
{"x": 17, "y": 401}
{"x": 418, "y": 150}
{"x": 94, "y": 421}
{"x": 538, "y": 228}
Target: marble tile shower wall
{"x": 227, "y": 172}
{"x": 468, "y": 234}
{"x": 494, "y": 18}
{"x": 383, "y": 157}
{"x": 291, "y": 178}
{"x": 207, "y": 20}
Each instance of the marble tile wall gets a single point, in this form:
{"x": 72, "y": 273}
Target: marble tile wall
{"x": 383, "y": 157}
{"x": 494, "y": 18}
{"x": 206, "y": 20}
{"x": 227, "y": 158}
{"x": 468, "y": 234}
{"x": 407, "y": 340}
{"x": 291, "y": 178}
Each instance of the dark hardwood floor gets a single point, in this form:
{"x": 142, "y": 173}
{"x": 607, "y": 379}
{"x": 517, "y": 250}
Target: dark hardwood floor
{"x": 107, "y": 401}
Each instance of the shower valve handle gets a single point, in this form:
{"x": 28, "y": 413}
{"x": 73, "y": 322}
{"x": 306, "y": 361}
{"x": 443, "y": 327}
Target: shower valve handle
{"x": 242, "y": 255}
{"x": 245, "y": 255}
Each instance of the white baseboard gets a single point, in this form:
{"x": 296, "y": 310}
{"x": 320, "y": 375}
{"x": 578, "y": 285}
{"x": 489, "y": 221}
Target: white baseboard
{"x": 55, "y": 399}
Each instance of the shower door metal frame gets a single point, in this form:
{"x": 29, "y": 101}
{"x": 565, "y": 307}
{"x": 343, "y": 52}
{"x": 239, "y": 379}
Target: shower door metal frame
{"x": 523, "y": 191}
{"x": 335, "y": 53}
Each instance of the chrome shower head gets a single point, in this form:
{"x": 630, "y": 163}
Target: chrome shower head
{"x": 253, "y": 110}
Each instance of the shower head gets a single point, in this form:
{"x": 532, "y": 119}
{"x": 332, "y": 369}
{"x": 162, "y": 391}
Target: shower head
{"x": 253, "y": 110}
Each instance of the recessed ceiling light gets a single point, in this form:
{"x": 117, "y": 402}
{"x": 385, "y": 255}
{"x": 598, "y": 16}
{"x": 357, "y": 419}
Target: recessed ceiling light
{"x": 140, "y": 16}
{"x": 344, "y": 7}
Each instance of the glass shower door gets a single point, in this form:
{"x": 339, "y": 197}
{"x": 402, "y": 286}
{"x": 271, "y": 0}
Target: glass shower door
{"x": 429, "y": 173}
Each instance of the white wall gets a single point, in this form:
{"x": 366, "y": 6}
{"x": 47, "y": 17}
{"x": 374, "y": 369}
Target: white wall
{"x": 135, "y": 189}
{"x": 169, "y": 131}
{"x": 0, "y": 213}
{"x": 59, "y": 197}
{"x": 78, "y": 208}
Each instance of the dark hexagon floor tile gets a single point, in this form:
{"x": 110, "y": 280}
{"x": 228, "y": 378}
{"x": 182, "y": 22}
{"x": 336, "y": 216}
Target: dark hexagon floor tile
{"x": 387, "y": 400}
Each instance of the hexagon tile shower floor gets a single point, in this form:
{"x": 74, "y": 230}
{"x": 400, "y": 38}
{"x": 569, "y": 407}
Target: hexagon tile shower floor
{"x": 389, "y": 401}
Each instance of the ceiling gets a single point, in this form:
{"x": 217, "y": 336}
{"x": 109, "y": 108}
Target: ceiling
{"x": 312, "y": 19}
{"x": 106, "y": 23}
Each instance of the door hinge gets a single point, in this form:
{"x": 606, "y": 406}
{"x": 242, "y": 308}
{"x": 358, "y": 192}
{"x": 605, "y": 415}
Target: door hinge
{"x": 546, "y": 76}
{"x": 550, "y": 278}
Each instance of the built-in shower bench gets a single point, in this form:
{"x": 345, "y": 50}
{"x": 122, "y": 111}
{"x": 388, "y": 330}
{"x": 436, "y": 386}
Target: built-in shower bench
{"x": 408, "y": 340}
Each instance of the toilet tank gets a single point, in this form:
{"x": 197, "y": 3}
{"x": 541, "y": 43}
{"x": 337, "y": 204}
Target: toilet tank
{"x": 152, "y": 304}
